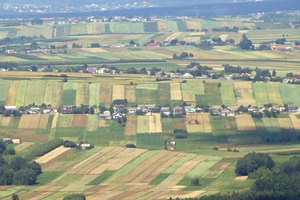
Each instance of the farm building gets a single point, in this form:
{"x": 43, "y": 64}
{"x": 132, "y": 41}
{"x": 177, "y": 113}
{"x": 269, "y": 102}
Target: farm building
{"x": 178, "y": 110}
{"x": 16, "y": 140}
{"x": 105, "y": 115}
{"x": 10, "y": 108}
{"x": 165, "y": 111}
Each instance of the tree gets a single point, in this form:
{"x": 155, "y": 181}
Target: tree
{"x": 34, "y": 45}
{"x": 17, "y": 163}
{"x": 252, "y": 161}
{"x": 274, "y": 73}
{"x": 2, "y": 147}
{"x": 15, "y": 197}
{"x": 35, "y": 167}
{"x": 24, "y": 177}
{"x": 245, "y": 43}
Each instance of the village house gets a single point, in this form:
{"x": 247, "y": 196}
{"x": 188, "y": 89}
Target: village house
{"x": 165, "y": 111}
{"x": 214, "y": 111}
{"x": 293, "y": 109}
{"x": 187, "y": 75}
{"x": 16, "y": 140}
{"x": 105, "y": 115}
{"x": 85, "y": 145}
{"x": 7, "y": 140}
{"x": 10, "y": 108}
{"x": 33, "y": 110}
{"x": 227, "y": 113}
{"x": 189, "y": 109}
{"x": 146, "y": 108}
{"x": 131, "y": 110}
{"x": 50, "y": 110}
{"x": 11, "y": 51}
{"x": 91, "y": 70}
{"x": 178, "y": 110}
{"x": 67, "y": 109}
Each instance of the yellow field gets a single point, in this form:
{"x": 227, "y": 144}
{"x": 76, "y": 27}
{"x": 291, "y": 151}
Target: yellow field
{"x": 244, "y": 93}
{"x": 52, "y": 154}
{"x": 53, "y": 93}
{"x": 118, "y": 92}
{"x": 173, "y": 36}
{"x": 163, "y": 26}
{"x": 34, "y": 121}
{"x": 5, "y": 121}
{"x": 82, "y": 94}
{"x": 131, "y": 125}
{"x": 245, "y": 122}
{"x": 285, "y": 123}
{"x": 130, "y": 93}
{"x": 198, "y": 122}
{"x": 175, "y": 90}
{"x": 12, "y": 93}
{"x": 295, "y": 121}
{"x": 155, "y": 125}
{"x": 193, "y": 25}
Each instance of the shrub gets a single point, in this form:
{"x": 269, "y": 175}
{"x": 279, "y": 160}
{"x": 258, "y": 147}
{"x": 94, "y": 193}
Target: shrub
{"x": 45, "y": 148}
{"x": 195, "y": 182}
{"x": 130, "y": 146}
{"x": 70, "y": 144}
{"x": 75, "y": 197}
{"x": 180, "y": 133}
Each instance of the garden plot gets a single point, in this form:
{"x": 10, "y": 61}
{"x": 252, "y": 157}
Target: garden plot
{"x": 245, "y": 122}
{"x": 175, "y": 90}
{"x": 198, "y": 122}
{"x": 118, "y": 92}
{"x": 244, "y": 93}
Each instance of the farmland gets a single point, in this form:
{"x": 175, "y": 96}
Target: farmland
{"x": 164, "y": 163}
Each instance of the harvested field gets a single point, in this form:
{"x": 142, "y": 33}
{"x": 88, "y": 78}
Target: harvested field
{"x": 245, "y": 122}
{"x": 53, "y": 93}
{"x": 193, "y": 25}
{"x": 198, "y": 122}
{"x": 5, "y": 121}
{"x": 285, "y": 123}
{"x": 175, "y": 90}
{"x": 118, "y": 92}
{"x": 142, "y": 124}
{"x": 92, "y": 123}
{"x": 173, "y": 36}
{"x": 155, "y": 123}
{"x": 131, "y": 125}
{"x": 12, "y": 93}
{"x": 103, "y": 123}
{"x": 43, "y": 122}
{"x": 295, "y": 121}
{"x": 244, "y": 93}
{"x": 130, "y": 93}
{"x": 52, "y": 154}
{"x": 163, "y": 26}
{"x": 82, "y": 94}
{"x": 79, "y": 120}
{"x": 241, "y": 178}
{"x": 29, "y": 122}
{"x": 54, "y": 121}
{"x": 106, "y": 94}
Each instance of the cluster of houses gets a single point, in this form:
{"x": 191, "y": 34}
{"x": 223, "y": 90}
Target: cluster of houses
{"x": 13, "y": 140}
{"x": 31, "y": 110}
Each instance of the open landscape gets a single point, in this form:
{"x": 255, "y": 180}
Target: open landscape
{"x": 119, "y": 107}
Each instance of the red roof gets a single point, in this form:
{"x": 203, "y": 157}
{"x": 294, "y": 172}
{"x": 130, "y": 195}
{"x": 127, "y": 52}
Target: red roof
{"x": 16, "y": 138}
{"x": 157, "y": 44}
